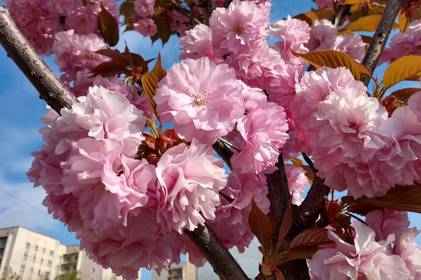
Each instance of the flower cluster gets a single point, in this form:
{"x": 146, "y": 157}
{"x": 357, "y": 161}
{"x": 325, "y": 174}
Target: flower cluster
{"x": 98, "y": 185}
{"x": 383, "y": 249}
{"x": 40, "y": 20}
{"x": 354, "y": 143}
{"x": 130, "y": 173}
{"x": 406, "y": 43}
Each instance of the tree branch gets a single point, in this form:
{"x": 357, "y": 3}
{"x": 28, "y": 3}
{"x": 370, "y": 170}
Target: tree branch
{"x": 381, "y": 35}
{"x": 58, "y": 97}
{"x": 278, "y": 194}
{"x": 218, "y": 256}
{"x": 43, "y": 79}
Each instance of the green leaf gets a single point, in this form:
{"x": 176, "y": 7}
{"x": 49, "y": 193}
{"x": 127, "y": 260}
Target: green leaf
{"x": 400, "y": 198}
{"x": 402, "y": 69}
{"x": 261, "y": 225}
{"x": 335, "y": 59}
{"x": 150, "y": 82}
{"x": 108, "y": 26}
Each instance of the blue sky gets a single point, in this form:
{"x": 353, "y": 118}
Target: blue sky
{"x": 20, "y": 113}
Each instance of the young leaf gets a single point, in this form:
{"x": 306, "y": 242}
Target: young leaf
{"x": 121, "y": 63}
{"x": 400, "y": 198}
{"x": 403, "y": 21}
{"x": 310, "y": 237}
{"x": 128, "y": 12}
{"x": 313, "y": 15}
{"x": 335, "y": 59}
{"x": 367, "y": 23}
{"x": 402, "y": 69}
{"x": 305, "y": 252}
{"x": 164, "y": 29}
{"x": 261, "y": 225}
{"x": 150, "y": 82}
{"x": 108, "y": 26}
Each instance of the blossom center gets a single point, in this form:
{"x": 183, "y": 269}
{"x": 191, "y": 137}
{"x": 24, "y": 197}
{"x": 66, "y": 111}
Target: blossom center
{"x": 239, "y": 30}
{"x": 353, "y": 125}
{"x": 201, "y": 98}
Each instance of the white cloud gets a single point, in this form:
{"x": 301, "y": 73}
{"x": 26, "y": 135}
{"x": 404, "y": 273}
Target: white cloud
{"x": 21, "y": 204}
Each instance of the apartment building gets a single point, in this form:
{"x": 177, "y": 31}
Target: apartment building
{"x": 182, "y": 271}
{"x": 34, "y": 256}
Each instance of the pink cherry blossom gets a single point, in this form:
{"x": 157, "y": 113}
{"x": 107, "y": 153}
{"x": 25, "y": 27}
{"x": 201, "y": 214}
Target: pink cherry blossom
{"x": 297, "y": 182}
{"x": 83, "y": 18}
{"x": 408, "y": 250}
{"x": 324, "y": 36}
{"x": 189, "y": 181}
{"x": 261, "y": 145}
{"x": 37, "y": 20}
{"x": 240, "y": 27}
{"x": 144, "y": 8}
{"x": 201, "y": 98}
{"x": 146, "y": 27}
{"x": 366, "y": 259}
{"x": 327, "y": 3}
{"x": 76, "y": 53}
{"x": 294, "y": 33}
{"x": 405, "y": 43}
{"x": 315, "y": 87}
{"x": 386, "y": 222}
{"x": 197, "y": 43}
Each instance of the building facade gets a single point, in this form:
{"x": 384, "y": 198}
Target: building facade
{"x": 182, "y": 271}
{"x": 28, "y": 255}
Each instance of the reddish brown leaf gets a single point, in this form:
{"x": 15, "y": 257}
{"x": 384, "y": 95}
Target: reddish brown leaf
{"x": 313, "y": 15}
{"x": 108, "y": 26}
{"x": 150, "y": 82}
{"x": 261, "y": 225}
{"x": 402, "y": 69}
{"x": 128, "y": 12}
{"x": 335, "y": 59}
{"x": 121, "y": 63}
{"x": 297, "y": 254}
{"x": 400, "y": 198}
{"x": 310, "y": 237}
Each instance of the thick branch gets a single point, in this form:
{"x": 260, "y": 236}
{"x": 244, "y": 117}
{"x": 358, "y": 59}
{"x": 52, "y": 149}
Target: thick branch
{"x": 57, "y": 96}
{"x": 43, "y": 79}
{"x": 218, "y": 256}
{"x": 278, "y": 194}
{"x": 381, "y": 35}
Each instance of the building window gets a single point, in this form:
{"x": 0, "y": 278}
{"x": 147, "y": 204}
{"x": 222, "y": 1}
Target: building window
{"x": 22, "y": 269}
{"x": 51, "y": 253}
{"x": 39, "y": 271}
{"x": 41, "y": 261}
{"x": 3, "y": 241}
{"x": 49, "y": 263}
{"x": 28, "y": 245}
{"x": 34, "y": 259}
{"x": 43, "y": 250}
{"x": 36, "y": 248}
{"x": 175, "y": 274}
{"x": 32, "y": 270}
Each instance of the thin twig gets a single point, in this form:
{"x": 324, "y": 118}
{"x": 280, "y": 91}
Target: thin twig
{"x": 381, "y": 35}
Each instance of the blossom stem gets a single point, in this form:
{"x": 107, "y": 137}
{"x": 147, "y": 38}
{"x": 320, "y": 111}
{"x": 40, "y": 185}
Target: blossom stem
{"x": 20, "y": 51}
